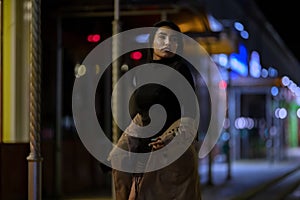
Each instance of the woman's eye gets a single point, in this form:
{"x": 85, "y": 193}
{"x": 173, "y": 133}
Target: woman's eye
{"x": 162, "y": 37}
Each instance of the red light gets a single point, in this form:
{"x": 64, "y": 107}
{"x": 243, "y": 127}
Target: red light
{"x": 222, "y": 84}
{"x": 96, "y": 38}
{"x": 136, "y": 55}
{"x": 93, "y": 38}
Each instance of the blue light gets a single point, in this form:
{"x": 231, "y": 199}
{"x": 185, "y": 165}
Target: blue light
{"x": 215, "y": 25}
{"x": 254, "y": 65}
{"x": 238, "y": 26}
{"x": 244, "y": 34}
{"x": 264, "y": 73}
{"x": 143, "y": 38}
{"x": 273, "y": 72}
{"x": 274, "y": 91}
{"x": 223, "y": 60}
{"x": 238, "y": 61}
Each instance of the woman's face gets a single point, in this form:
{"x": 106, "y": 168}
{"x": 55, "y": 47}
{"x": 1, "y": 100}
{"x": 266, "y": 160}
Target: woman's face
{"x": 165, "y": 43}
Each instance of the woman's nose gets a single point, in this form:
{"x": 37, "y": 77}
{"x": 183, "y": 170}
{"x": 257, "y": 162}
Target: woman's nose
{"x": 167, "y": 40}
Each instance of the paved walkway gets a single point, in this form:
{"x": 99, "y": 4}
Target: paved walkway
{"x": 246, "y": 177}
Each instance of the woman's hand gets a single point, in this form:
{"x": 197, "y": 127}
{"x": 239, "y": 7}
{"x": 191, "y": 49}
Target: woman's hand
{"x": 158, "y": 143}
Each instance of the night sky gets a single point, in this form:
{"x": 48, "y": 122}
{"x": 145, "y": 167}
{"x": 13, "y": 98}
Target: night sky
{"x": 284, "y": 16}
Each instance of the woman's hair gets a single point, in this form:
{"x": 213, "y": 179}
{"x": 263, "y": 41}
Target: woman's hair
{"x": 174, "y": 27}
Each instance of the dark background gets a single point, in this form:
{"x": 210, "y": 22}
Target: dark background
{"x": 284, "y": 17}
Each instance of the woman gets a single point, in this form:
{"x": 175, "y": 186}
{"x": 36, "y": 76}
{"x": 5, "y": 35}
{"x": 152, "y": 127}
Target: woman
{"x": 178, "y": 180}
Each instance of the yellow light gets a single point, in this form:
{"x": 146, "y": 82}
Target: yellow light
{"x": 7, "y": 63}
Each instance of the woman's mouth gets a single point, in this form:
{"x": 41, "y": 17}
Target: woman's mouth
{"x": 166, "y": 49}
